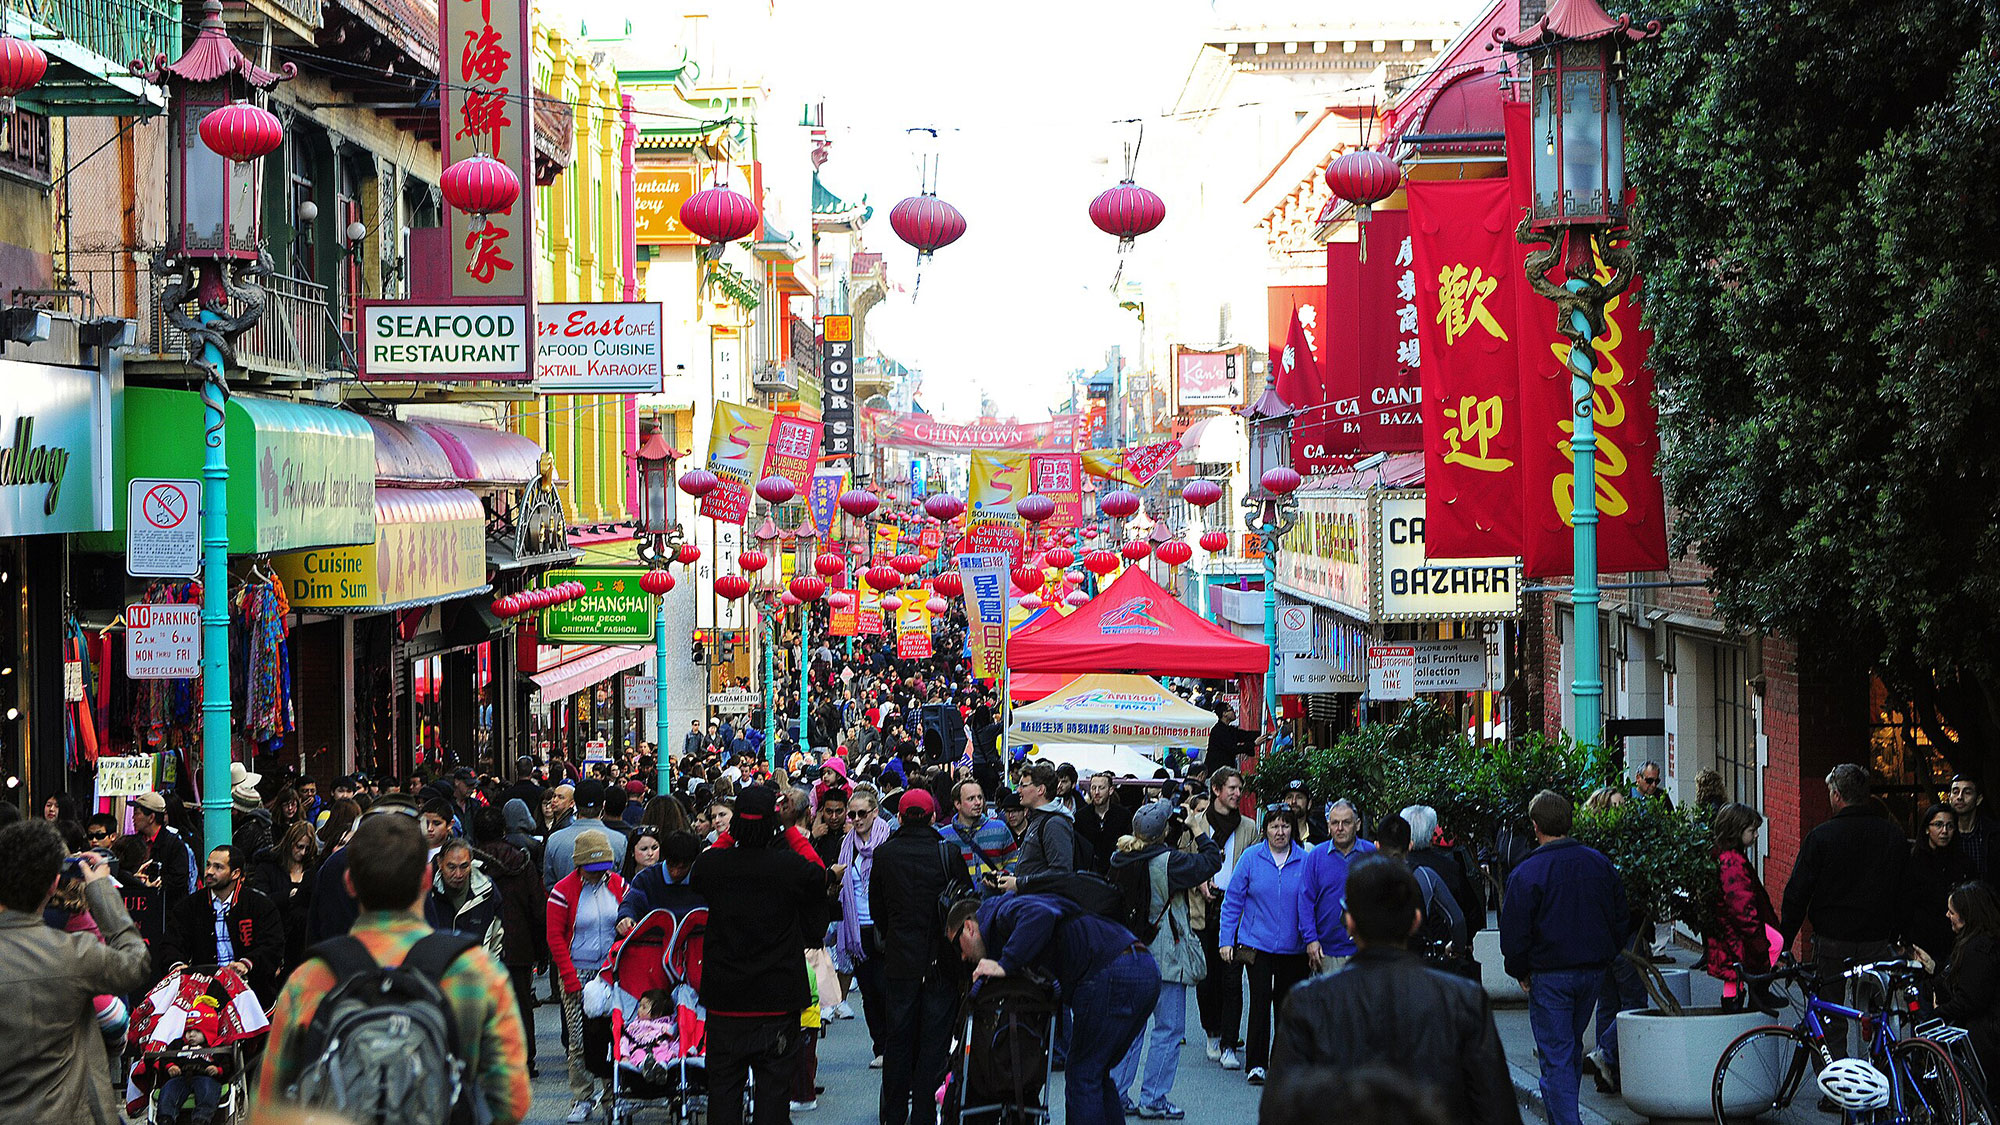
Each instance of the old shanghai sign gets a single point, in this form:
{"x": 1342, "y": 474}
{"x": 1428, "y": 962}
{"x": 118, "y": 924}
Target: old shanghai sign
{"x": 598, "y": 348}
{"x": 612, "y": 610}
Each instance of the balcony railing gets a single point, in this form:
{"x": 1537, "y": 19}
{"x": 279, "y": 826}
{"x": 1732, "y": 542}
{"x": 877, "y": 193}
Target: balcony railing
{"x": 290, "y": 338}
{"x": 91, "y": 45}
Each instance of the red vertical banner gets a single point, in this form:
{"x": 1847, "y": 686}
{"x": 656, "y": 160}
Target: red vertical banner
{"x": 1632, "y": 526}
{"x": 1463, "y": 251}
{"x": 793, "y": 452}
{"x": 1389, "y": 360}
{"x": 1280, "y": 302}
{"x": 483, "y": 104}
{"x": 1059, "y": 476}
{"x": 845, "y": 621}
{"x": 1325, "y": 437}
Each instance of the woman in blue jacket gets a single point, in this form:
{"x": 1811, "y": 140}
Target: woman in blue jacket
{"x": 1260, "y": 926}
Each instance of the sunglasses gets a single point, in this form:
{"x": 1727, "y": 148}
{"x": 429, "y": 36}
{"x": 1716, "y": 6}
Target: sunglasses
{"x": 99, "y": 833}
{"x": 861, "y": 814}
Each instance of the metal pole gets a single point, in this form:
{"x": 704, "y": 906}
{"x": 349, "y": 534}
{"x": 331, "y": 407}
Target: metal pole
{"x": 805, "y": 670}
{"x": 216, "y": 828}
{"x": 1270, "y": 536}
{"x": 1585, "y": 685}
{"x": 664, "y": 761}
{"x": 770, "y": 678}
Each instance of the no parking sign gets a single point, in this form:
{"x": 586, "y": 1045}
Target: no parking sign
{"x": 163, "y": 528}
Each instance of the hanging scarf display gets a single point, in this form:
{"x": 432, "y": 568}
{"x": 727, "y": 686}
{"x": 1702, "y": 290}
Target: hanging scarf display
{"x": 267, "y": 697}
{"x": 165, "y": 713}
{"x": 81, "y": 740}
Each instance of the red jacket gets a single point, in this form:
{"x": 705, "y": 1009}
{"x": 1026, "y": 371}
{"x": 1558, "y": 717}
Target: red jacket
{"x": 1741, "y": 916}
{"x": 562, "y": 919}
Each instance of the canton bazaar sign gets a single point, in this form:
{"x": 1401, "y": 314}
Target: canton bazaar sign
{"x": 1365, "y": 555}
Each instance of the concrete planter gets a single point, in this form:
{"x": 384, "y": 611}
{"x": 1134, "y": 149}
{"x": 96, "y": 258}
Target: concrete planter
{"x": 1500, "y": 988}
{"x": 1668, "y": 1062}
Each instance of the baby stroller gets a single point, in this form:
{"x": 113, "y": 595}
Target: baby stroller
{"x": 662, "y": 952}
{"x": 1005, "y": 1053}
{"x": 209, "y": 998}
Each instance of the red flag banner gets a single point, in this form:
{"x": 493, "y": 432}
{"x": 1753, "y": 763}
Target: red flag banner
{"x": 1464, "y": 255}
{"x": 1059, "y": 476}
{"x": 793, "y": 452}
{"x": 1389, "y": 359}
{"x": 1297, "y": 367}
{"x": 1326, "y": 435}
{"x": 1280, "y": 302}
{"x": 1632, "y": 528}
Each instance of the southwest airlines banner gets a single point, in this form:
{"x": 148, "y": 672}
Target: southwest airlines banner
{"x": 986, "y": 580}
{"x": 737, "y": 438}
{"x": 913, "y": 625}
{"x": 999, "y": 480}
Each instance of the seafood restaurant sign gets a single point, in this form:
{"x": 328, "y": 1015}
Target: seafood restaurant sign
{"x": 613, "y": 348}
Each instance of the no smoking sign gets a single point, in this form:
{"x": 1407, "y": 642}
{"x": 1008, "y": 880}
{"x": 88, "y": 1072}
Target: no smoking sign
{"x": 163, "y": 528}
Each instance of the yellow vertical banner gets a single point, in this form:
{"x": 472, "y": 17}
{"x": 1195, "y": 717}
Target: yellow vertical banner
{"x": 887, "y": 536}
{"x": 913, "y": 624}
{"x": 737, "y": 439}
{"x": 999, "y": 480}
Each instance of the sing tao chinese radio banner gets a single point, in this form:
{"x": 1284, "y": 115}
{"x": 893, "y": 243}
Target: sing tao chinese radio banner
{"x": 737, "y": 437}
{"x": 845, "y": 620}
{"x": 1388, "y": 358}
{"x": 1631, "y": 529}
{"x": 484, "y": 104}
{"x": 913, "y": 625}
{"x": 794, "y": 450}
{"x": 999, "y": 480}
{"x": 1059, "y": 476}
{"x": 1464, "y": 256}
{"x": 985, "y": 583}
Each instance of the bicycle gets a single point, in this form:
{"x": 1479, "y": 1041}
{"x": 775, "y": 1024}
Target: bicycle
{"x": 1764, "y": 1069}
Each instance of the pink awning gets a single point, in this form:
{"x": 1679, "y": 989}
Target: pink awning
{"x": 407, "y": 457}
{"x": 480, "y": 455}
{"x": 572, "y": 676}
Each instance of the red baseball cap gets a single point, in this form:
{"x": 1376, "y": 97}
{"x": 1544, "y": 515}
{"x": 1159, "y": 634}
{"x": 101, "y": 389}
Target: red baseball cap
{"x": 917, "y": 799}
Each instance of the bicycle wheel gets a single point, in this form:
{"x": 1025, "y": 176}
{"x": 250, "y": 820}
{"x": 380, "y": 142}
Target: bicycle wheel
{"x": 1762, "y": 1071}
{"x": 1928, "y": 1084}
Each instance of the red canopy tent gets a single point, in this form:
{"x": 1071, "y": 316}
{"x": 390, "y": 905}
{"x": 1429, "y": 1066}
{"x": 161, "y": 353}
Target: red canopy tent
{"x": 1135, "y": 626}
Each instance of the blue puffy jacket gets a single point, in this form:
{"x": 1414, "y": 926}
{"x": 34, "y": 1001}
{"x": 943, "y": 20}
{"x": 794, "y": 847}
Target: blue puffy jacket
{"x": 1261, "y": 907}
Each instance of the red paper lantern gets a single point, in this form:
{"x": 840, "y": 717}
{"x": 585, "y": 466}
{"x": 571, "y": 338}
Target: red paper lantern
{"x": 22, "y": 64}
{"x": 687, "y": 554}
{"x": 1060, "y": 556}
{"x": 732, "y": 586}
{"x": 1174, "y": 552}
{"x": 789, "y": 600}
{"x": 1072, "y": 578}
{"x": 477, "y": 185}
{"x": 859, "y": 503}
{"x": 806, "y": 588}
{"x": 1214, "y": 541}
{"x": 884, "y": 577}
{"x": 751, "y": 562}
{"x": 1029, "y": 601}
{"x": 1201, "y": 493}
{"x": 1077, "y": 598}
{"x": 907, "y": 565}
{"x": 503, "y": 606}
{"x": 927, "y": 223}
{"x": 656, "y": 582}
{"x": 1089, "y": 533}
{"x": 891, "y": 602}
{"x": 949, "y": 584}
{"x": 1100, "y": 562}
{"x": 937, "y": 605}
{"x": 1119, "y": 504}
{"x": 839, "y": 599}
{"x": 1126, "y": 212}
{"x": 1363, "y": 177}
{"x": 698, "y": 482}
{"x": 238, "y": 131}
{"x": 829, "y": 565}
{"x": 1283, "y": 480}
{"x": 719, "y": 214}
{"x": 944, "y": 507}
{"x": 1035, "y": 507}
{"x": 776, "y": 490}
{"x": 1136, "y": 549}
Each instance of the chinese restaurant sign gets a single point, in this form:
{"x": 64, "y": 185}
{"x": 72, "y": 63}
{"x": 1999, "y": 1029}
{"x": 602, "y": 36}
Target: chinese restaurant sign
{"x": 600, "y": 348}
{"x": 422, "y": 343}
{"x": 612, "y": 610}
{"x": 486, "y": 102}
{"x": 429, "y": 545}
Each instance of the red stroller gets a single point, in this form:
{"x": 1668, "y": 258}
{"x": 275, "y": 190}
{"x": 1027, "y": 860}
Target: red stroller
{"x": 662, "y": 952}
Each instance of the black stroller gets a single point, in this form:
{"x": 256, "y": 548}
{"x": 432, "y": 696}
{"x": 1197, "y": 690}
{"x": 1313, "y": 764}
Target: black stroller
{"x": 1005, "y": 1052}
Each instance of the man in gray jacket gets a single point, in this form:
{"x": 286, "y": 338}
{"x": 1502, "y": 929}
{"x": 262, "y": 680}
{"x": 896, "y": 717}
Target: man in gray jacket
{"x": 1155, "y": 855}
{"x": 1049, "y": 842}
{"x": 54, "y": 1068}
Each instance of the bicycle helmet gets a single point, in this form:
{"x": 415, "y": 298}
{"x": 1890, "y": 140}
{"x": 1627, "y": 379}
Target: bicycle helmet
{"x": 1854, "y": 1084}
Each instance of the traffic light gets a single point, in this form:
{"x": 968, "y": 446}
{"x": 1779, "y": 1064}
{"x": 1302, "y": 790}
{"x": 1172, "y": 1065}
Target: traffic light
{"x": 699, "y": 653}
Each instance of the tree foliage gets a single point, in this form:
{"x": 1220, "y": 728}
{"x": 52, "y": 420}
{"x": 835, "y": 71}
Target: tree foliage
{"x": 1819, "y": 228}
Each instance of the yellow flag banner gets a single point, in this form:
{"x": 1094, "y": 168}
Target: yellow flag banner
{"x": 1132, "y": 464}
{"x": 887, "y": 536}
{"x": 999, "y": 480}
{"x": 913, "y": 624}
{"x": 737, "y": 439}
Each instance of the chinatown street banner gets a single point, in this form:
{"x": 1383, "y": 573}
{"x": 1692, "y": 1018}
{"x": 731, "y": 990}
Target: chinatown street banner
{"x": 887, "y": 535}
{"x": 988, "y": 534}
{"x": 1059, "y": 476}
{"x": 926, "y": 434}
{"x": 1389, "y": 360}
{"x": 871, "y": 613}
{"x": 1466, "y": 276}
{"x": 823, "y": 498}
{"x": 737, "y": 437}
{"x": 844, "y": 621}
{"x": 1134, "y": 465}
{"x": 913, "y": 624}
{"x": 793, "y": 452}
{"x": 1631, "y": 529}
{"x": 1326, "y": 437}
{"x": 986, "y": 601}
{"x": 999, "y": 480}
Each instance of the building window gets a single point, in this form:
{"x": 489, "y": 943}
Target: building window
{"x": 1734, "y": 723}
{"x": 24, "y": 145}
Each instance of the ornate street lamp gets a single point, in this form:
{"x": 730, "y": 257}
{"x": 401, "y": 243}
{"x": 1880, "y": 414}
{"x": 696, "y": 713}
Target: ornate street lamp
{"x": 659, "y": 538}
{"x": 1270, "y": 511}
{"x": 806, "y": 543}
{"x": 1577, "y": 208}
{"x": 216, "y": 137}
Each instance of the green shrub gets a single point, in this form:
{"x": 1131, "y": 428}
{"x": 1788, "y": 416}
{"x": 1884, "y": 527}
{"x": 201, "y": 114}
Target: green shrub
{"x": 1665, "y": 856}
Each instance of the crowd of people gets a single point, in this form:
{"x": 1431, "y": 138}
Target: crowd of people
{"x": 876, "y": 865}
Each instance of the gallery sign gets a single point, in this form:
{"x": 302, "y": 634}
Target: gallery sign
{"x": 598, "y": 348}
{"x": 55, "y": 454}
{"x": 407, "y": 341}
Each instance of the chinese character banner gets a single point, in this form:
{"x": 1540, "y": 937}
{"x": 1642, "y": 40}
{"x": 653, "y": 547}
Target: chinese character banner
{"x": 1326, "y": 437}
{"x": 1389, "y": 358}
{"x": 793, "y": 451}
{"x": 483, "y": 103}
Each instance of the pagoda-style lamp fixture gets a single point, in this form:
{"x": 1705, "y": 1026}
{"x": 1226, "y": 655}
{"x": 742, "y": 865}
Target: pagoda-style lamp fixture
{"x": 659, "y": 538}
{"x": 1270, "y": 510}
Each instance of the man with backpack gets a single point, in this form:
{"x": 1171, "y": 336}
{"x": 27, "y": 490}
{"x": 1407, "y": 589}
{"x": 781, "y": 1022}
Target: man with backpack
{"x": 984, "y": 841}
{"x": 403, "y": 1008}
{"x": 913, "y": 871}
{"x": 1049, "y": 844}
{"x": 1157, "y": 875}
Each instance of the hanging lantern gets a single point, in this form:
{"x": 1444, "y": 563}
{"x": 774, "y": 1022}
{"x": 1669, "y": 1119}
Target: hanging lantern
{"x": 949, "y": 584}
{"x": 839, "y": 599}
{"x": 1100, "y": 562}
{"x": 687, "y": 554}
{"x": 1060, "y": 557}
{"x": 807, "y": 588}
{"x": 750, "y": 562}
{"x": 1119, "y": 504}
{"x": 240, "y": 131}
{"x": 22, "y": 64}
{"x": 1174, "y": 552}
{"x": 698, "y": 482}
{"x": 478, "y": 185}
{"x": 944, "y": 507}
{"x": 732, "y": 586}
{"x": 1089, "y": 533}
{"x": 927, "y": 223}
{"x": 937, "y": 605}
{"x": 829, "y": 565}
{"x": 789, "y": 600}
{"x": 1136, "y": 549}
{"x": 907, "y": 565}
{"x": 1126, "y": 212}
{"x": 1035, "y": 507}
{"x": 1072, "y": 578}
{"x": 1029, "y": 602}
{"x": 1283, "y": 480}
{"x": 1214, "y": 541}
{"x": 1077, "y": 598}
{"x": 857, "y": 502}
{"x": 719, "y": 215}
{"x": 776, "y": 490}
{"x": 1201, "y": 493}
{"x": 884, "y": 577}
{"x": 503, "y": 606}
{"x": 656, "y": 582}
{"x": 1364, "y": 178}
{"x": 1027, "y": 578}
{"x": 891, "y": 603}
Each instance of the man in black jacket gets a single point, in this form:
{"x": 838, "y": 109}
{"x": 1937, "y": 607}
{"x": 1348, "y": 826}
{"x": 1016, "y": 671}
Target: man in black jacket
{"x": 1849, "y": 881}
{"x": 1101, "y": 820}
{"x": 229, "y": 923}
{"x": 1388, "y": 1009}
{"x": 766, "y": 907}
{"x": 919, "y": 978}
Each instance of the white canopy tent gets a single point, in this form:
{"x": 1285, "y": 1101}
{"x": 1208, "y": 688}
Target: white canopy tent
{"x": 1112, "y": 710}
{"x": 1092, "y": 759}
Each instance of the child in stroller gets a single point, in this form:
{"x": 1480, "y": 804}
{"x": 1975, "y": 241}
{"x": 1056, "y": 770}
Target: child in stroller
{"x": 659, "y": 1033}
{"x": 196, "y": 1070}
{"x": 189, "y": 1035}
